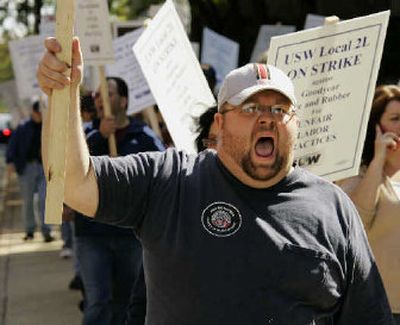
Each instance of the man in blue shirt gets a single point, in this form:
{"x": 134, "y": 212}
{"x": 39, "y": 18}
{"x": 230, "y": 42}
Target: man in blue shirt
{"x": 235, "y": 235}
{"x": 24, "y": 157}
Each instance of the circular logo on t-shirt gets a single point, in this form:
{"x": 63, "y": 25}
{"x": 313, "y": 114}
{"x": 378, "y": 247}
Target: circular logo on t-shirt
{"x": 221, "y": 219}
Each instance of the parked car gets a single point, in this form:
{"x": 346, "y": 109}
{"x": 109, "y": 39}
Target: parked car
{"x": 5, "y": 127}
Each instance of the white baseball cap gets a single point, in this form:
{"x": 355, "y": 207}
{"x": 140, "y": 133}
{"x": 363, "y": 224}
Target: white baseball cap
{"x": 243, "y": 82}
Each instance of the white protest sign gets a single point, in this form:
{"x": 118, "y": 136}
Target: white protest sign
{"x": 185, "y": 13}
{"x": 196, "y": 48}
{"x": 174, "y": 75}
{"x": 334, "y": 70}
{"x": 25, "y": 55}
{"x": 264, "y": 36}
{"x": 314, "y": 21}
{"x": 93, "y": 29}
{"x": 127, "y": 68}
{"x": 220, "y": 52}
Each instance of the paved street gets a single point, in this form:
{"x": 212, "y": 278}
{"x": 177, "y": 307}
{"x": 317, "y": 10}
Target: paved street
{"x": 33, "y": 278}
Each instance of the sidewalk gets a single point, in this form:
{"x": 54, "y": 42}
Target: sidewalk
{"x": 33, "y": 278}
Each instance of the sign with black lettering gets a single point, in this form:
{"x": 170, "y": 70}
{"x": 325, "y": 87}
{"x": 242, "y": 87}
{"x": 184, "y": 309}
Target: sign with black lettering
{"x": 127, "y": 68}
{"x": 334, "y": 70}
{"x": 93, "y": 29}
{"x": 25, "y": 56}
{"x": 174, "y": 75}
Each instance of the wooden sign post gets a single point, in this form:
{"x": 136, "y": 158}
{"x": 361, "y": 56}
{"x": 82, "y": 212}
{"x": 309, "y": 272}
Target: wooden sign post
{"x": 60, "y": 104}
{"x": 331, "y": 20}
{"x": 152, "y": 119}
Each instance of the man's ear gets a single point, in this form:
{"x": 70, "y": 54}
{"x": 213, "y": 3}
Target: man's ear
{"x": 124, "y": 102}
{"x": 219, "y": 121}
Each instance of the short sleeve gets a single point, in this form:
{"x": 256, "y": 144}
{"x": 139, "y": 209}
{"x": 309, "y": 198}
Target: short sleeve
{"x": 125, "y": 187}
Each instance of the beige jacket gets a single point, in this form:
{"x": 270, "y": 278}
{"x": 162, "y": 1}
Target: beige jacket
{"x": 382, "y": 225}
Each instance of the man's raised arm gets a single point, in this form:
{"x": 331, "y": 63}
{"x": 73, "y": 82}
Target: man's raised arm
{"x": 81, "y": 191}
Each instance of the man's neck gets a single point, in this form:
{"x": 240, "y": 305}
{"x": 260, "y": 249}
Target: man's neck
{"x": 244, "y": 178}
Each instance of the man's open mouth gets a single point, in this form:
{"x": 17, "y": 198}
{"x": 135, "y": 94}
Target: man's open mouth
{"x": 265, "y": 147}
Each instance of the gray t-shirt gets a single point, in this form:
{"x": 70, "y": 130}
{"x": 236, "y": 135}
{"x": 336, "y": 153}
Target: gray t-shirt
{"x": 219, "y": 252}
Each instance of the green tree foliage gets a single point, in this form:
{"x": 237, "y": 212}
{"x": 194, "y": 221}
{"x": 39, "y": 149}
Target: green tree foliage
{"x": 130, "y": 9}
{"x": 6, "y": 71}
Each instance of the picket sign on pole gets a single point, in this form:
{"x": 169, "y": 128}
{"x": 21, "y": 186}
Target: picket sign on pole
{"x": 94, "y": 33}
{"x": 112, "y": 144}
{"x": 59, "y": 117}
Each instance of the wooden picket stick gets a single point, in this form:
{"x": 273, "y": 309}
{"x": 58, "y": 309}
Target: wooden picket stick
{"x": 60, "y": 104}
{"x": 331, "y": 20}
{"x": 107, "y": 109}
{"x": 150, "y": 114}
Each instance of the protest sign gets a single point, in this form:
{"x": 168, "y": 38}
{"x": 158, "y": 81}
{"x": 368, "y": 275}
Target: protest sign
{"x": 93, "y": 29}
{"x": 196, "y": 48}
{"x": 127, "y": 68}
{"x": 314, "y": 21}
{"x": 334, "y": 70}
{"x": 25, "y": 56}
{"x": 174, "y": 75}
{"x": 220, "y": 52}
{"x": 264, "y": 36}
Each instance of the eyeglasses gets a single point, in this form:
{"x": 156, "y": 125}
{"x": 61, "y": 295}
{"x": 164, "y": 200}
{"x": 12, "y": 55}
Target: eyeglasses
{"x": 279, "y": 112}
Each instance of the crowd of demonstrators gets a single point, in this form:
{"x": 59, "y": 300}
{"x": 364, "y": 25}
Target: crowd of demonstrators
{"x": 23, "y": 156}
{"x": 376, "y": 190}
{"x": 237, "y": 227}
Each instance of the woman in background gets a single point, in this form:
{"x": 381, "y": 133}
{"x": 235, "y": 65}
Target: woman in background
{"x": 376, "y": 191}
